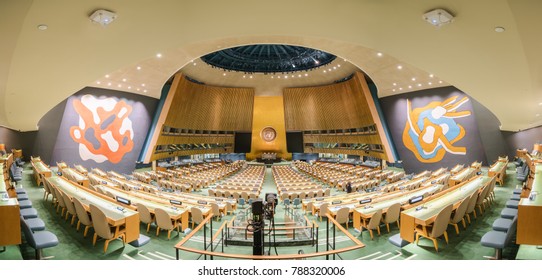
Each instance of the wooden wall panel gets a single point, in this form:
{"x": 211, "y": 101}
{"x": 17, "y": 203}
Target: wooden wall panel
{"x": 204, "y": 107}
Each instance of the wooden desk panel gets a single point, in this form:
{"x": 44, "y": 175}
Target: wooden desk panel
{"x": 412, "y": 217}
{"x": 115, "y": 216}
{"x": 530, "y": 213}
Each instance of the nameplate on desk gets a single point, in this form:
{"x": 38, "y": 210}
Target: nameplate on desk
{"x": 176, "y": 202}
{"x": 203, "y": 202}
{"x": 415, "y": 199}
{"x": 319, "y": 199}
{"x": 367, "y": 200}
{"x": 123, "y": 200}
{"x": 336, "y": 202}
{"x": 219, "y": 199}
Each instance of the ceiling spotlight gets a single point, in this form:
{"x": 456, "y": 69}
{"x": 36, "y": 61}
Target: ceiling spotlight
{"x": 413, "y": 79}
{"x": 308, "y": 74}
{"x": 379, "y": 54}
{"x": 394, "y": 84}
{"x": 399, "y": 67}
{"x": 431, "y": 75}
{"x": 158, "y": 55}
{"x": 42, "y": 27}
{"x": 124, "y": 80}
{"x": 438, "y": 17}
{"x": 103, "y": 17}
{"x": 499, "y": 29}
{"x": 142, "y": 85}
{"x": 98, "y": 82}
{"x": 224, "y": 74}
{"x": 107, "y": 76}
{"x": 138, "y": 68}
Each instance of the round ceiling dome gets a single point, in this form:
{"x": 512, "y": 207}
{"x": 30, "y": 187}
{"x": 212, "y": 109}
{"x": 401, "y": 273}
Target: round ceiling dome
{"x": 268, "y": 58}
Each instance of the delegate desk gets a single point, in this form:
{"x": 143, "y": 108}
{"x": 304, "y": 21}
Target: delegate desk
{"x": 175, "y": 212}
{"x": 41, "y": 171}
{"x": 81, "y": 169}
{"x": 75, "y": 176}
{"x": 461, "y": 176}
{"x": 10, "y": 224}
{"x": 7, "y": 160}
{"x": 363, "y": 213}
{"x": 498, "y": 169}
{"x": 530, "y": 213}
{"x": 117, "y": 214}
{"x": 431, "y": 207}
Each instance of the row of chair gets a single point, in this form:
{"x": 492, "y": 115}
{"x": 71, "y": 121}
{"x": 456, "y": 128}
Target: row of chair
{"x": 503, "y": 228}
{"x": 32, "y": 226}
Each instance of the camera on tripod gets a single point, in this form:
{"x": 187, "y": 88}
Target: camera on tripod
{"x": 271, "y": 201}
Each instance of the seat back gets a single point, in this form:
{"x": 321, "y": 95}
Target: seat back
{"x": 342, "y": 215}
{"x": 482, "y": 195}
{"x": 511, "y": 231}
{"x": 241, "y": 201}
{"x": 392, "y": 215}
{"x": 59, "y": 195}
{"x": 323, "y": 209}
{"x": 69, "y": 204}
{"x": 327, "y": 192}
{"x": 163, "y": 220}
{"x": 144, "y": 213}
{"x": 82, "y": 214}
{"x": 99, "y": 220}
{"x": 460, "y": 211}
{"x": 375, "y": 220}
{"x": 308, "y": 206}
{"x": 197, "y": 215}
{"x": 441, "y": 221}
{"x": 215, "y": 209}
{"x": 28, "y": 234}
{"x": 297, "y": 201}
{"x": 472, "y": 203}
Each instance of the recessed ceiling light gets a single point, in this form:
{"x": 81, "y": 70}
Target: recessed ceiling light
{"x": 251, "y": 76}
{"x": 119, "y": 85}
{"x": 142, "y": 85}
{"x": 244, "y": 76}
{"x": 43, "y": 27}
{"x": 138, "y": 89}
{"x": 306, "y": 74}
{"x": 399, "y": 67}
{"x": 338, "y": 65}
{"x": 194, "y": 64}
{"x": 124, "y": 80}
{"x": 413, "y": 79}
{"x": 409, "y": 86}
{"x": 379, "y": 54}
{"x": 440, "y": 82}
{"x": 278, "y": 77}
{"x": 108, "y": 84}
{"x": 292, "y": 76}
{"x": 499, "y": 29}
{"x": 431, "y": 75}
{"x": 429, "y": 83}
{"x": 103, "y": 17}
{"x": 400, "y": 88}
{"x": 538, "y": 115}
{"x": 138, "y": 68}
{"x": 419, "y": 85}
{"x": 272, "y": 77}
{"x": 98, "y": 82}
{"x": 224, "y": 74}
{"x": 540, "y": 104}
{"x": 325, "y": 71}
{"x": 286, "y": 77}
{"x": 394, "y": 84}
{"x": 393, "y": 90}
{"x": 334, "y": 68}
{"x": 158, "y": 55}
{"x": 107, "y": 76}
{"x": 129, "y": 87}
{"x": 299, "y": 75}
{"x": 145, "y": 91}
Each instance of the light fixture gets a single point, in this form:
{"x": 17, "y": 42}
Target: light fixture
{"x": 438, "y": 17}
{"x": 399, "y": 67}
{"x": 138, "y": 68}
{"x": 499, "y": 29}
{"x": 42, "y": 27}
{"x": 379, "y": 54}
{"x": 103, "y": 17}
{"x": 159, "y": 55}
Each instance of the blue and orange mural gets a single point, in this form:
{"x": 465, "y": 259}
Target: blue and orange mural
{"x": 105, "y": 130}
{"x": 431, "y": 131}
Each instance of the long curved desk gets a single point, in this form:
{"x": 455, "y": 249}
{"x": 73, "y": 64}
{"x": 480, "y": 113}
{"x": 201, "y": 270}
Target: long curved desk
{"x": 116, "y": 213}
{"x": 425, "y": 216}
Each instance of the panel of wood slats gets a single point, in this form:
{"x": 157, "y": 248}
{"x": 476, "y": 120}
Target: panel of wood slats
{"x": 204, "y": 107}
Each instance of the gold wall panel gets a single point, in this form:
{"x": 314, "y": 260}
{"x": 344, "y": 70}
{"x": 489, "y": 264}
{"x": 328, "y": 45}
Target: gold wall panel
{"x": 268, "y": 111}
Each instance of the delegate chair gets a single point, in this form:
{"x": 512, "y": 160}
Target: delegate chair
{"x": 308, "y": 207}
{"x": 164, "y": 221}
{"x": 459, "y": 214}
{"x": 197, "y": 216}
{"x": 145, "y": 215}
{"x": 61, "y": 203}
{"x": 82, "y": 216}
{"x": 103, "y": 229}
{"x": 392, "y": 215}
{"x": 69, "y": 207}
{"x": 471, "y": 208}
{"x": 241, "y": 202}
{"x": 47, "y": 190}
{"x": 215, "y": 209}
{"x": 374, "y": 223}
{"x": 297, "y": 202}
{"x": 229, "y": 208}
{"x": 499, "y": 239}
{"x": 323, "y": 210}
{"x": 438, "y": 227}
{"x": 342, "y": 216}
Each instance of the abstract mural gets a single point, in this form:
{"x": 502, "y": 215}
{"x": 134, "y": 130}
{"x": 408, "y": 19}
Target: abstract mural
{"x": 431, "y": 131}
{"x": 105, "y": 131}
